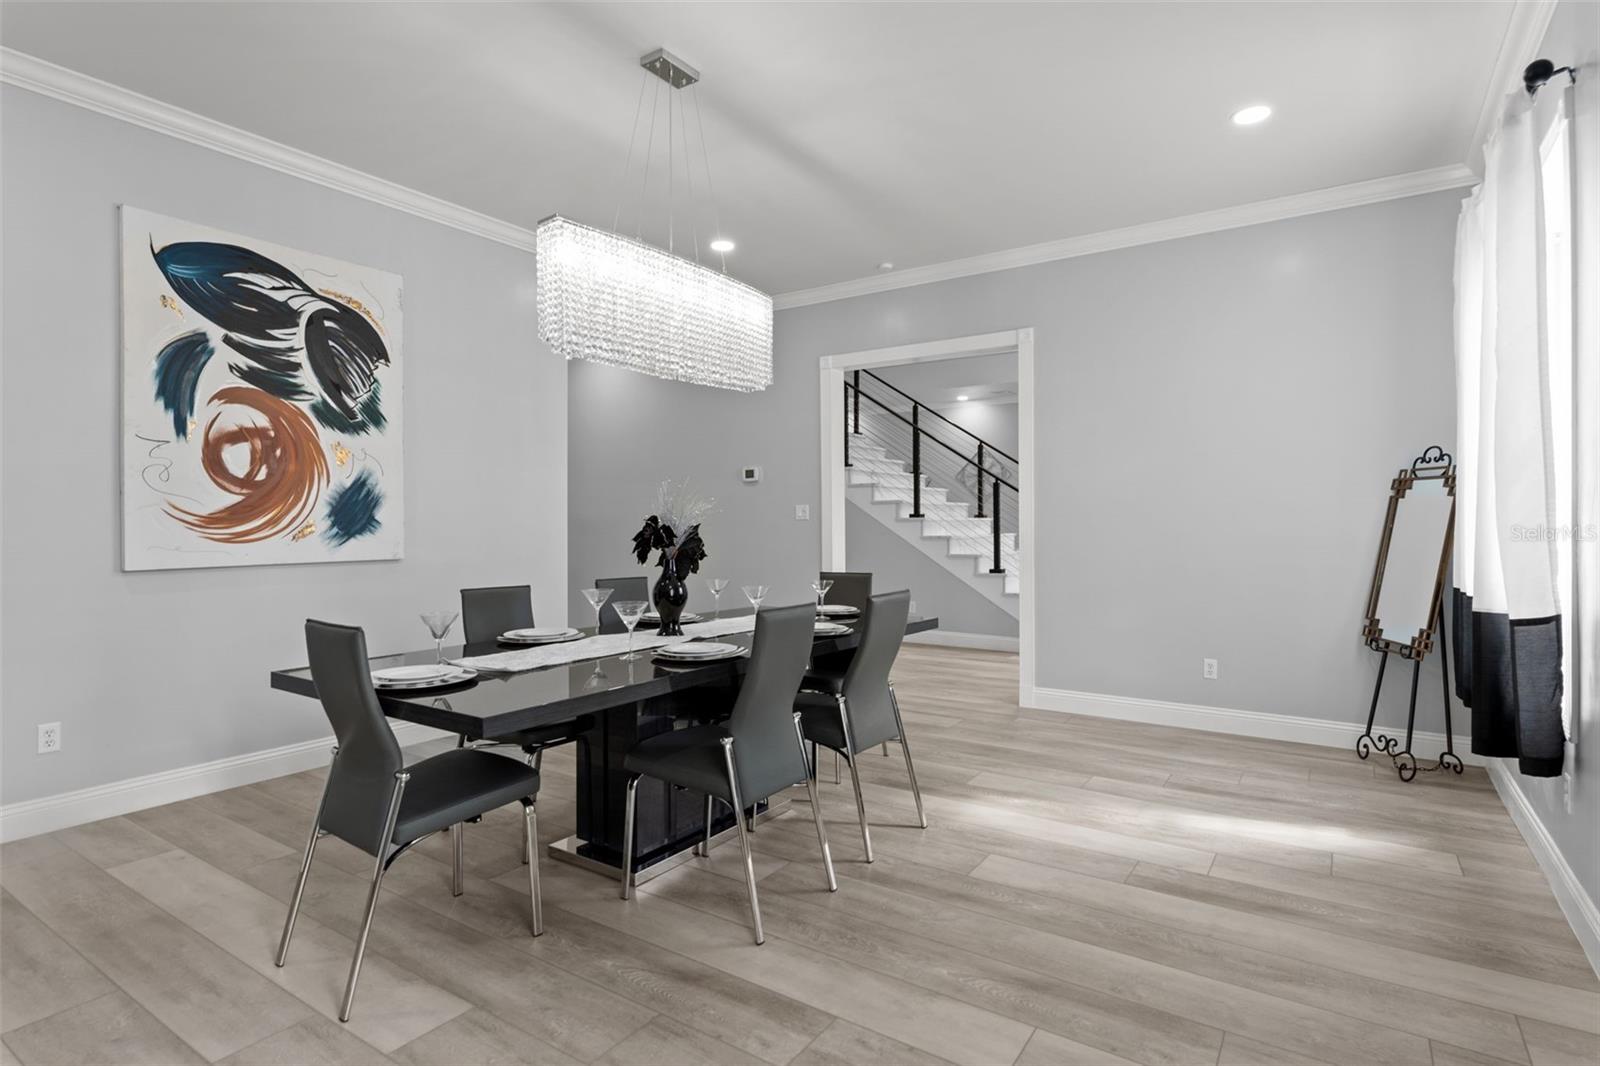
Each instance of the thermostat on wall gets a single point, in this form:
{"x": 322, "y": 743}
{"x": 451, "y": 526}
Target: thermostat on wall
{"x": 751, "y": 474}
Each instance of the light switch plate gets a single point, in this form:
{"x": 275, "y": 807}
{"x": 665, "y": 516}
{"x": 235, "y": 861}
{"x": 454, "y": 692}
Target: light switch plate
{"x": 802, "y": 512}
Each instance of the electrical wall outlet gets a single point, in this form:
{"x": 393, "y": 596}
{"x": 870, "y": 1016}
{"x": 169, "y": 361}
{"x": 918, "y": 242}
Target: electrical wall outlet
{"x": 49, "y": 737}
{"x": 1208, "y": 669}
{"x": 802, "y": 512}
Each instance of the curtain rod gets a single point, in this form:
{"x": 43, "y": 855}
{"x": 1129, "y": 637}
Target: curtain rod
{"x": 1542, "y": 70}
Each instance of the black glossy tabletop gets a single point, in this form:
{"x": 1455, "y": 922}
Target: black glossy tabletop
{"x": 498, "y": 704}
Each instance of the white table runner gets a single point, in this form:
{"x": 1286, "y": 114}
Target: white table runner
{"x": 598, "y": 647}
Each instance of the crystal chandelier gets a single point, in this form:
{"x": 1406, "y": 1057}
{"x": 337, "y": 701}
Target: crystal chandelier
{"x": 618, "y": 300}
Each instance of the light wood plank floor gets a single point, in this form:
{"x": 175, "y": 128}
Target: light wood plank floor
{"x": 1089, "y": 892}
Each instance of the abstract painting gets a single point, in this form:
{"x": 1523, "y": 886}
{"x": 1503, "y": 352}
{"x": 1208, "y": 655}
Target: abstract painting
{"x": 261, "y": 402}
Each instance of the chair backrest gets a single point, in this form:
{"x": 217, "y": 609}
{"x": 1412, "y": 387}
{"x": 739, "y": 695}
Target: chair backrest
{"x": 361, "y": 779}
{"x": 488, "y": 612}
{"x": 765, "y": 746}
{"x": 622, "y": 588}
{"x": 866, "y": 683}
{"x": 850, "y": 587}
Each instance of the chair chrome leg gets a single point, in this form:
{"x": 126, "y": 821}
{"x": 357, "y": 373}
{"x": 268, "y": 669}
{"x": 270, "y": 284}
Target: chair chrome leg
{"x": 530, "y": 841}
{"x": 627, "y": 838}
{"x": 884, "y": 747}
{"x": 905, "y": 749}
{"x": 816, "y": 810}
{"x": 458, "y": 858}
{"x": 836, "y": 767}
{"x": 855, "y": 776}
{"x": 704, "y": 847}
{"x": 530, "y": 844}
{"x": 305, "y": 870}
{"x": 384, "y": 850}
{"x": 744, "y": 837}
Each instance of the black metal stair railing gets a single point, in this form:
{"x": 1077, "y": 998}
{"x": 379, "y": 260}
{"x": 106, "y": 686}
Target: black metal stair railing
{"x": 960, "y": 453}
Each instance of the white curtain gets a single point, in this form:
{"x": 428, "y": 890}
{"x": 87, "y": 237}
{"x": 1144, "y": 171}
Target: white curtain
{"x": 1507, "y": 602}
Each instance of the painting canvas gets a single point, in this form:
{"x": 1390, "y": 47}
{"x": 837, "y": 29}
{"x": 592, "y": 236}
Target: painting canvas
{"x": 261, "y": 402}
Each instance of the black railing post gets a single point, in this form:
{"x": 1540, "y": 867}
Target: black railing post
{"x": 980, "y": 479}
{"x": 916, "y": 465}
{"x": 858, "y": 401}
{"x": 847, "y": 425}
{"x": 997, "y": 568}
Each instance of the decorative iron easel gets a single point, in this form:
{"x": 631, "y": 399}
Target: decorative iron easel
{"x": 1434, "y": 464}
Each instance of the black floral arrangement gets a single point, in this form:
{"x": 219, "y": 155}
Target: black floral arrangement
{"x": 679, "y": 508}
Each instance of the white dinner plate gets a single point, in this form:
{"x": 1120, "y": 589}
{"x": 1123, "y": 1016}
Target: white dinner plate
{"x": 727, "y": 651}
{"x": 401, "y": 675}
{"x": 456, "y": 675}
{"x": 838, "y": 610}
{"x": 830, "y": 629}
{"x": 699, "y": 649}
{"x": 685, "y": 618}
{"x": 543, "y": 635}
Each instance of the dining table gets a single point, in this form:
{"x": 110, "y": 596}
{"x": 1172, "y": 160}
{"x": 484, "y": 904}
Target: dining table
{"x": 613, "y": 703}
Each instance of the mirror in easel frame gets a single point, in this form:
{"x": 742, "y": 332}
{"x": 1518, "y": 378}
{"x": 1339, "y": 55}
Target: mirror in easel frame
{"x": 1413, "y": 556}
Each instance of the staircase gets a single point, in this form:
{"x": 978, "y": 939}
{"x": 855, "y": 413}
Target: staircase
{"x": 895, "y": 443}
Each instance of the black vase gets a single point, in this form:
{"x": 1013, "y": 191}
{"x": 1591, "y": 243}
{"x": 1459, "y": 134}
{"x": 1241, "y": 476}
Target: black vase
{"x": 669, "y": 597}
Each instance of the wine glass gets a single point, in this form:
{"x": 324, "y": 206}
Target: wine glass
{"x": 630, "y": 612}
{"x": 716, "y": 585}
{"x": 597, "y": 599}
{"x": 821, "y": 587}
{"x": 439, "y": 623}
{"x": 755, "y": 594}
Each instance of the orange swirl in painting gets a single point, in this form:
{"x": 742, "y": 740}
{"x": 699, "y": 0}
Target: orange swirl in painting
{"x": 277, "y": 483}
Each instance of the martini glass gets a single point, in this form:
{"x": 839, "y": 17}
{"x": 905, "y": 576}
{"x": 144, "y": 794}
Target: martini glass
{"x": 755, "y": 594}
{"x": 716, "y": 585}
{"x": 439, "y": 623}
{"x": 597, "y": 599}
{"x": 630, "y": 611}
{"x": 821, "y": 587}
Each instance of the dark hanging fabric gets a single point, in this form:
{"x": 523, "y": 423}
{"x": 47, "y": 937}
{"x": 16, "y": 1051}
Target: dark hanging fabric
{"x": 1509, "y": 673}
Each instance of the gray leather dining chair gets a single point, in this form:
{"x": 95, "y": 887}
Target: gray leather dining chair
{"x": 488, "y": 612}
{"x": 852, "y": 588}
{"x": 864, "y": 712}
{"x": 622, "y": 588}
{"x": 756, "y": 753}
{"x": 376, "y": 802}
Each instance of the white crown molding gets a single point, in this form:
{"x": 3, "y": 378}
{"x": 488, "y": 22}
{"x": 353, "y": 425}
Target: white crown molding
{"x": 1291, "y": 728}
{"x": 1525, "y": 30}
{"x": 66, "y": 809}
{"x": 1356, "y": 194}
{"x": 1575, "y": 903}
{"x": 47, "y": 79}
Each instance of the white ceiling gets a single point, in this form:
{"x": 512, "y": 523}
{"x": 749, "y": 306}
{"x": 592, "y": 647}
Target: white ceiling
{"x": 841, "y": 135}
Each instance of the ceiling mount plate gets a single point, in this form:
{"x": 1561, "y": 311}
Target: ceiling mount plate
{"x": 669, "y": 68}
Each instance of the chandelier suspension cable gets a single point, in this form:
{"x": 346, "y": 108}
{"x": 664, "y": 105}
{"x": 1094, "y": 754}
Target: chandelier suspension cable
{"x": 649, "y": 150}
{"x": 633, "y": 135}
{"x": 672, "y": 173}
{"x": 711, "y": 192}
{"x": 688, "y": 175}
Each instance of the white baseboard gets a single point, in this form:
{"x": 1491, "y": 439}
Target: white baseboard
{"x": 1240, "y": 723}
{"x": 49, "y": 813}
{"x": 1581, "y": 912}
{"x": 948, "y": 639}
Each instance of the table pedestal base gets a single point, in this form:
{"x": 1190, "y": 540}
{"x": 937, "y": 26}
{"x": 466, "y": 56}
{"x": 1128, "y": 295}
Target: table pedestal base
{"x": 667, "y": 857}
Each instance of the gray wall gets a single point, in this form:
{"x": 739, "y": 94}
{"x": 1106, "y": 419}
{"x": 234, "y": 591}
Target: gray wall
{"x": 1574, "y": 36}
{"x": 1219, "y": 418}
{"x": 894, "y": 564}
{"x": 154, "y": 671}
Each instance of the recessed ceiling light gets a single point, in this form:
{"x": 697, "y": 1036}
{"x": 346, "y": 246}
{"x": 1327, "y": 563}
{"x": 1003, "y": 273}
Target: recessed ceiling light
{"x": 722, "y": 244}
{"x": 1249, "y": 116}
{"x": 886, "y": 265}
{"x": 963, "y": 398}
